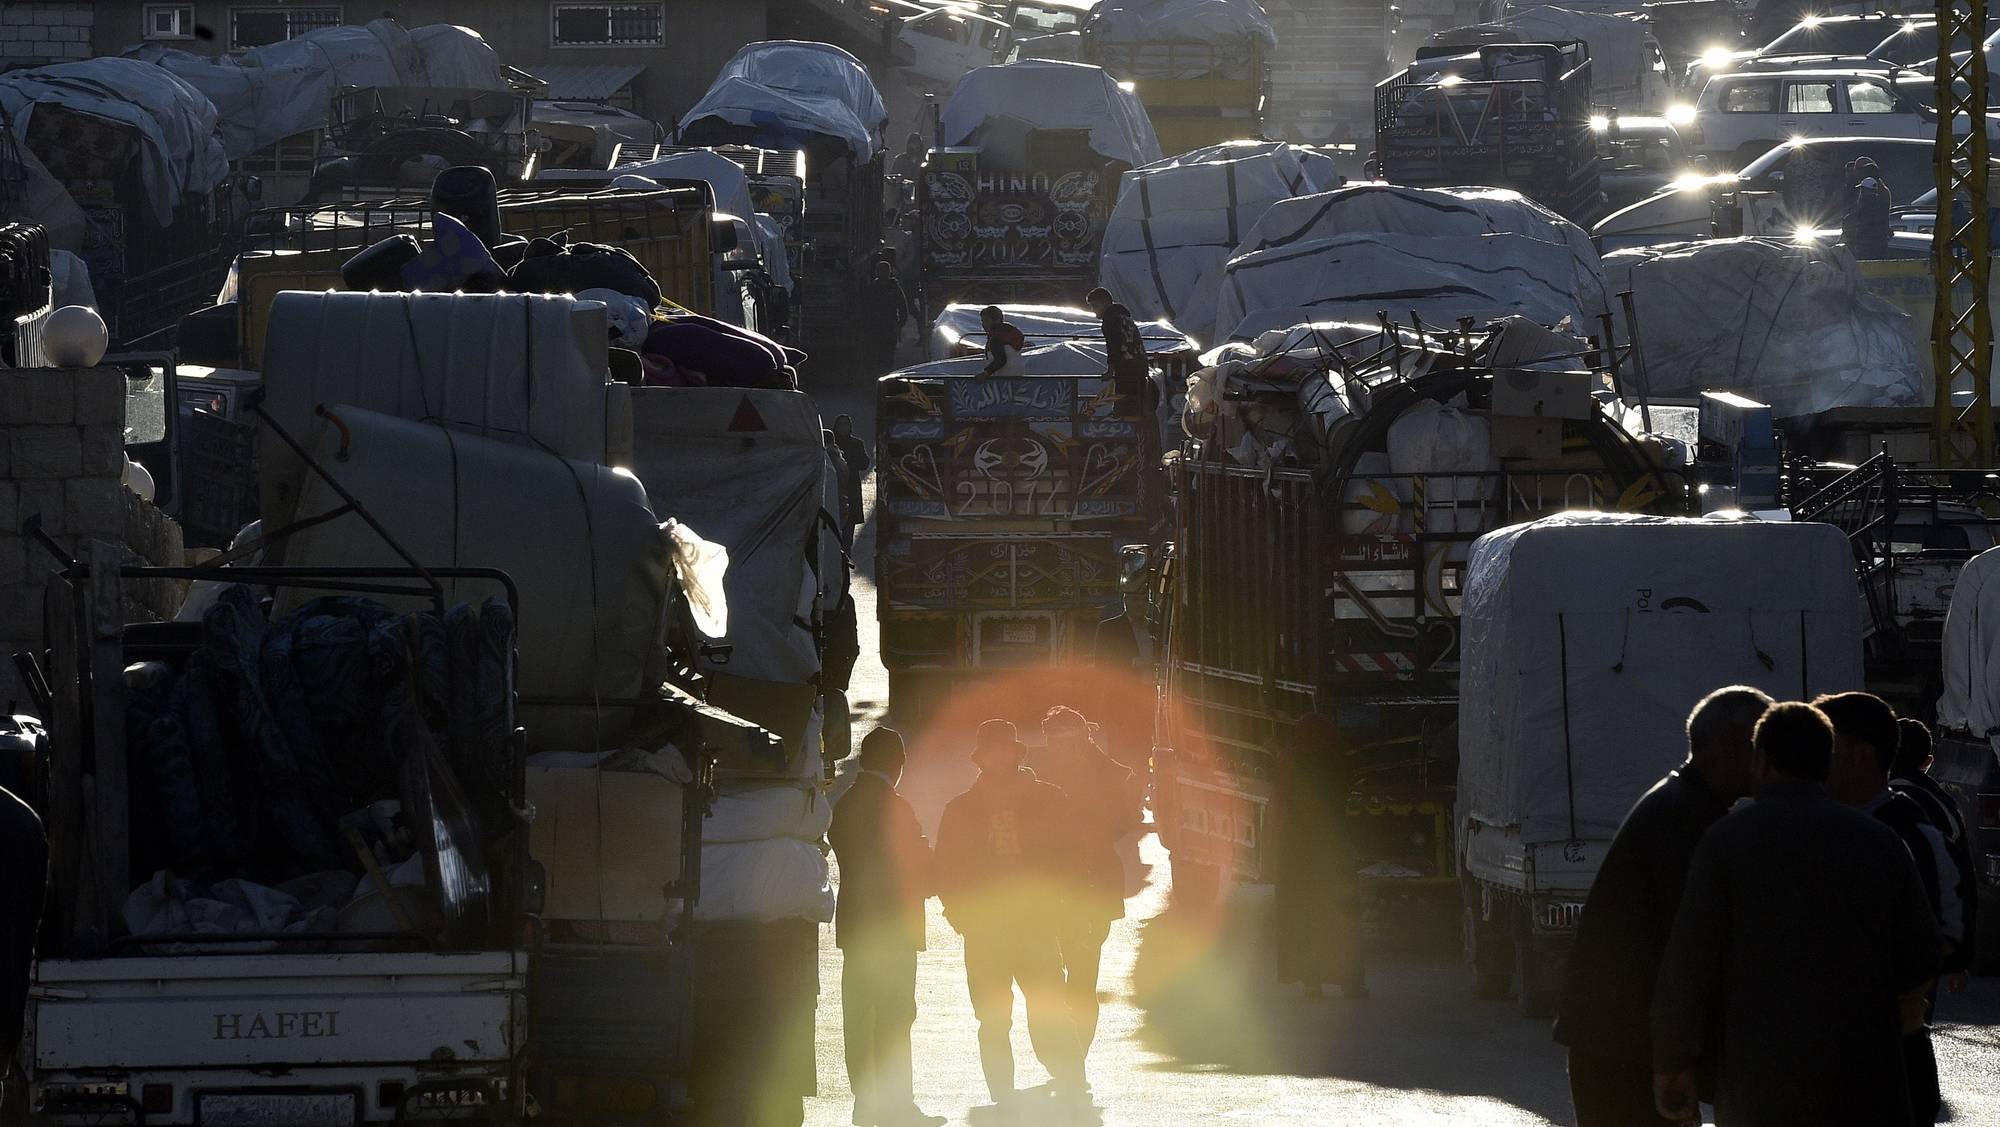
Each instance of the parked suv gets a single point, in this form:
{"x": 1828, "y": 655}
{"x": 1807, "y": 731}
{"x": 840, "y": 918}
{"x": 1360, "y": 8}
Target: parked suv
{"x": 1740, "y": 117}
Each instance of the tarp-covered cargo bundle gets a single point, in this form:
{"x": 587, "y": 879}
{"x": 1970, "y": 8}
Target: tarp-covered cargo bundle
{"x": 1178, "y": 221}
{"x": 179, "y": 152}
{"x": 1040, "y": 94}
{"x": 1619, "y": 57}
{"x": 1438, "y": 279}
{"x": 1147, "y": 29}
{"x": 269, "y": 93}
{"x": 782, "y": 93}
{"x": 1786, "y": 324}
{"x": 1588, "y": 637}
{"x": 1397, "y": 209}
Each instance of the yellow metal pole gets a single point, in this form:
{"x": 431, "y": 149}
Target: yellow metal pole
{"x": 1961, "y": 264}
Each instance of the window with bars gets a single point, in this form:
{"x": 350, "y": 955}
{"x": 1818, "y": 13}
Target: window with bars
{"x": 608, "y": 25}
{"x": 169, "y": 21}
{"x": 255, "y": 27}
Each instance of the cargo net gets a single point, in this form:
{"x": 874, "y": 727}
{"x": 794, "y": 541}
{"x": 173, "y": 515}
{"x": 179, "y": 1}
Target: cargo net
{"x": 1355, "y": 465}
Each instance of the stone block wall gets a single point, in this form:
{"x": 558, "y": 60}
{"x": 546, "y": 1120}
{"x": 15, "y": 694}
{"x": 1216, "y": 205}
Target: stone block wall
{"x": 33, "y": 32}
{"x": 62, "y": 435}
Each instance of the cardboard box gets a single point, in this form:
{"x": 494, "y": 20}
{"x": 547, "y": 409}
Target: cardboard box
{"x": 1547, "y": 395}
{"x": 609, "y": 842}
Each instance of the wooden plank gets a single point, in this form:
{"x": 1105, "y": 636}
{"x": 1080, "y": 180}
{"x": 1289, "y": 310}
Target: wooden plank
{"x": 111, "y": 836}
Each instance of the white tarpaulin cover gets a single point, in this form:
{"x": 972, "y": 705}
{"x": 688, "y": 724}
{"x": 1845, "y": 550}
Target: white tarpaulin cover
{"x": 1051, "y": 95}
{"x": 180, "y": 154}
{"x": 1588, "y": 637}
{"x": 1042, "y": 324}
{"x": 578, "y": 539}
{"x": 749, "y": 469}
{"x": 723, "y": 176}
{"x": 796, "y": 87}
{"x": 1178, "y": 221}
{"x": 1071, "y": 358}
{"x": 1230, "y": 27}
{"x": 1971, "y": 700}
{"x": 269, "y": 93}
{"x": 1179, "y": 21}
{"x": 1618, "y": 55}
{"x": 1786, "y": 324}
{"x": 1355, "y": 277}
{"x": 1393, "y": 208}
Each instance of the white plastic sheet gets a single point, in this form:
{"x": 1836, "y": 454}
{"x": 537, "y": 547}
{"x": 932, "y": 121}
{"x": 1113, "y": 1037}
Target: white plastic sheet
{"x": 1052, "y": 95}
{"x": 1181, "y": 21}
{"x": 269, "y": 93}
{"x": 180, "y": 154}
{"x": 1617, "y": 42}
{"x": 1971, "y": 699}
{"x": 1178, "y": 221}
{"x": 765, "y": 881}
{"x": 1786, "y": 324}
{"x": 703, "y": 569}
{"x": 801, "y": 811}
{"x": 798, "y": 87}
{"x": 1355, "y": 277}
{"x": 958, "y": 331}
{"x": 723, "y": 176}
{"x": 1588, "y": 637}
{"x": 1395, "y": 209}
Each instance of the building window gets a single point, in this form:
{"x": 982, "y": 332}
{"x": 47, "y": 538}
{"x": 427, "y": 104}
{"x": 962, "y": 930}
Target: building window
{"x": 255, "y": 27}
{"x": 169, "y": 21}
{"x": 608, "y": 25}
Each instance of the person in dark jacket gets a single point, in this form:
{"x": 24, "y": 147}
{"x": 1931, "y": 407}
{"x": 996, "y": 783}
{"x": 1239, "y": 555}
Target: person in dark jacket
{"x": 1004, "y": 344}
{"x": 1865, "y": 738}
{"x": 1866, "y": 228}
{"x": 888, "y": 310}
{"x": 909, "y": 163}
{"x": 1006, "y": 866}
{"x": 27, "y": 851}
{"x": 1123, "y": 344}
{"x": 854, "y": 453}
{"x": 1802, "y": 928}
{"x": 1108, "y": 806}
{"x": 1910, "y": 777}
{"x": 1608, "y": 992}
{"x": 1317, "y": 888}
{"x": 885, "y": 875}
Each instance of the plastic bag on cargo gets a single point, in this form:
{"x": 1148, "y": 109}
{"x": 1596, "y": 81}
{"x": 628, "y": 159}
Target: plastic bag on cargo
{"x": 765, "y": 881}
{"x": 797, "y": 810}
{"x": 701, "y": 565}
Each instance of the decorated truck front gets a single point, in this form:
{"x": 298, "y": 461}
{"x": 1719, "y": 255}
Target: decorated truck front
{"x": 1004, "y": 503}
{"x": 1014, "y": 198}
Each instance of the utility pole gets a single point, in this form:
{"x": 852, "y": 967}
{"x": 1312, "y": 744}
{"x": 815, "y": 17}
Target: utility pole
{"x": 1961, "y": 253}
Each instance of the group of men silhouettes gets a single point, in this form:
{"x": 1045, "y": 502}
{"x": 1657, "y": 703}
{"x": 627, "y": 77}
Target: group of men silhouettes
{"x": 1779, "y": 960}
{"x": 1029, "y": 871}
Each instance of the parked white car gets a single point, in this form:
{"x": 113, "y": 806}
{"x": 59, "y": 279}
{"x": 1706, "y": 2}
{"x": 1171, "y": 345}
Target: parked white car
{"x": 1739, "y": 117}
{"x": 1814, "y": 35}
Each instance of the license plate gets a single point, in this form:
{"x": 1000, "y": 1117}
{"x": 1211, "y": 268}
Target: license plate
{"x": 291, "y": 1109}
{"x": 1018, "y": 635}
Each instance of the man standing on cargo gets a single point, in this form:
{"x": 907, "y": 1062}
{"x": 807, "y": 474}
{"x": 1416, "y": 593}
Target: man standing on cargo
{"x": 1004, "y": 344}
{"x": 1123, "y": 344}
{"x": 1006, "y": 864}
{"x": 1630, "y": 912}
{"x": 1865, "y": 739}
{"x": 885, "y": 875}
{"x": 1802, "y": 926}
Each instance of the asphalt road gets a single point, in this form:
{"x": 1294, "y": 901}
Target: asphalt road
{"x": 1194, "y": 1031}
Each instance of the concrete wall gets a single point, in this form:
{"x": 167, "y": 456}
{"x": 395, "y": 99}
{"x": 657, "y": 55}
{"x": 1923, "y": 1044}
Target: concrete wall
{"x": 33, "y": 32}
{"x": 701, "y": 35}
{"x": 61, "y": 456}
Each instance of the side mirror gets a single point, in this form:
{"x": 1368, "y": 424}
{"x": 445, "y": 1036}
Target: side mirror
{"x": 724, "y": 235}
